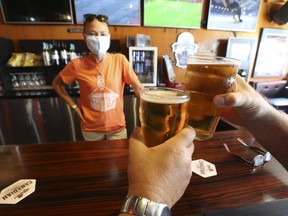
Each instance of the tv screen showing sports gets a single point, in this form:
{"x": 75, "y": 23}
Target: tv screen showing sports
{"x": 37, "y": 12}
{"x": 119, "y": 12}
{"x": 173, "y": 13}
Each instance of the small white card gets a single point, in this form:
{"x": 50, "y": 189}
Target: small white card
{"x": 203, "y": 168}
{"x": 17, "y": 191}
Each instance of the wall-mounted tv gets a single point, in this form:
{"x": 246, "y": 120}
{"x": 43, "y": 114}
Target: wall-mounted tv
{"x": 119, "y": 12}
{"x": 37, "y": 11}
{"x": 173, "y": 13}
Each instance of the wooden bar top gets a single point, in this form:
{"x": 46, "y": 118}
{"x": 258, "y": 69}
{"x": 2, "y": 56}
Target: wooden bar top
{"x": 90, "y": 178}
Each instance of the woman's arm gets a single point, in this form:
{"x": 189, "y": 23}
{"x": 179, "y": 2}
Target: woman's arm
{"x": 137, "y": 87}
{"x": 59, "y": 87}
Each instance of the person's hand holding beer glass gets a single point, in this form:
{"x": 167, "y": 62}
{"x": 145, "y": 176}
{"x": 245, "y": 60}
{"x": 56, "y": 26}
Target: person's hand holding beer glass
{"x": 163, "y": 113}
{"x": 207, "y": 76}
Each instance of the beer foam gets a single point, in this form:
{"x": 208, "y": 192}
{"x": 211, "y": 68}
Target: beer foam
{"x": 164, "y": 97}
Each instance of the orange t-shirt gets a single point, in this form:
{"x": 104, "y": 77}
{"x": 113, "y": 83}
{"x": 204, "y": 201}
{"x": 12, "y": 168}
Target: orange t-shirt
{"x": 101, "y": 88}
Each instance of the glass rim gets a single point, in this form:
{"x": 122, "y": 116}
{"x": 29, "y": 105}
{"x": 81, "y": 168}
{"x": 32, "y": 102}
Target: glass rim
{"x": 169, "y": 96}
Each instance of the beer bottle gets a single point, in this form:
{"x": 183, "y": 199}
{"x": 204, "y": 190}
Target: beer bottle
{"x": 63, "y": 54}
{"x": 55, "y": 55}
{"x": 46, "y": 54}
{"x": 72, "y": 53}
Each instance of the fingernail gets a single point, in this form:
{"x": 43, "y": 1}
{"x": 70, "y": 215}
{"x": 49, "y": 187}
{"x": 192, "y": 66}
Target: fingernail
{"x": 219, "y": 100}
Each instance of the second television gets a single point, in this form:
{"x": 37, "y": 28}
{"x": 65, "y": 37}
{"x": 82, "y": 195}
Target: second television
{"x": 173, "y": 14}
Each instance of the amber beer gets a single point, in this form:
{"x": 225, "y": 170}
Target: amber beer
{"x": 163, "y": 112}
{"x": 206, "y": 77}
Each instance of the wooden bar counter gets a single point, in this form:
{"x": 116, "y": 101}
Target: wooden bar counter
{"x": 90, "y": 178}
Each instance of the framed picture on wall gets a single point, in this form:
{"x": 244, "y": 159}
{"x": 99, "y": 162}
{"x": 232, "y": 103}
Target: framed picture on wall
{"x": 272, "y": 55}
{"x": 233, "y": 15}
{"x": 243, "y": 49}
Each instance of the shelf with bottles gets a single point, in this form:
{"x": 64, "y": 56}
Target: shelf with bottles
{"x": 52, "y": 54}
{"x": 58, "y": 53}
{"x": 144, "y": 62}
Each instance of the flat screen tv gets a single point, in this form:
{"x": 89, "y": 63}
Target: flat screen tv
{"x": 37, "y": 11}
{"x": 174, "y": 14}
{"x": 119, "y": 12}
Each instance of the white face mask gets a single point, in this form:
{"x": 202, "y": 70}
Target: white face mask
{"x": 98, "y": 44}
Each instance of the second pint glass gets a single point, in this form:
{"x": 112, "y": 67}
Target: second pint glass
{"x": 163, "y": 112}
{"x": 207, "y": 76}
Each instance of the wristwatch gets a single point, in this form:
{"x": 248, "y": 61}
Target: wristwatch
{"x": 141, "y": 206}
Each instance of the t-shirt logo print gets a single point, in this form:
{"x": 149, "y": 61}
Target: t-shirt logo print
{"x": 102, "y": 98}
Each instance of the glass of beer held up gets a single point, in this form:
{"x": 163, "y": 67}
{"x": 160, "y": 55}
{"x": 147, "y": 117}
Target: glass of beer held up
{"x": 163, "y": 112}
{"x": 207, "y": 76}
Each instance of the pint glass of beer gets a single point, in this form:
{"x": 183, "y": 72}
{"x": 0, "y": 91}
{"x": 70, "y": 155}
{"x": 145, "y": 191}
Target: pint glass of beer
{"x": 163, "y": 112}
{"x": 207, "y": 76}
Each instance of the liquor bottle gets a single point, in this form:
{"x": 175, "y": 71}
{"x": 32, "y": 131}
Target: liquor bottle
{"x": 63, "y": 54}
{"x": 46, "y": 54}
{"x": 55, "y": 55}
{"x": 72, "y": 53}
